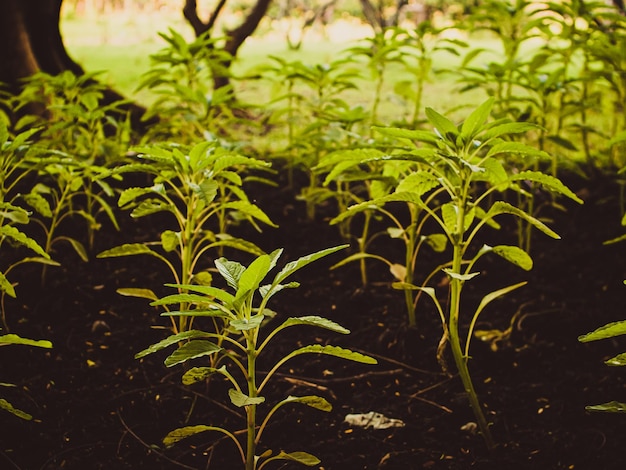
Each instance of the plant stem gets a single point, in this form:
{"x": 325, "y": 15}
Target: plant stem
{"x": 251, "y": 409}
{"x": 456, "y": 286}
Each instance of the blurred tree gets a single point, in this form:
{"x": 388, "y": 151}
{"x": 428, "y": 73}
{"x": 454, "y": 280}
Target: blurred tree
{"x": 31, "y": 42}
{"x": 234, "y": 37}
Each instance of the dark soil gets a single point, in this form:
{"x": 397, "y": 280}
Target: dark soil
{"x": 96, "y": 407}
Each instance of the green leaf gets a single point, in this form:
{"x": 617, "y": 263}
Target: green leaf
{"x": 437, "y": 241}
{"x": 210, "y": 291}
{"x": 231, "y": 271}
{"x": 249, "y": 210}
{"x": 303, "y": 458}
{"x": 240, "y": 399}
{"x": 245, "y": 325}
{"x": 5, "y": 405}
{"x": 514, "y": 255}
{"x": 476, "y": 120}
{"x": 459, "y": 276}
{"x": 609, "y": 330}
{"x": 130, "y": 194}
{"x": 418, "y": 183}
{"x": 22, "y": 239}
{"x": 314, "y": 320}
{"x": 6, "y": 286}
{"x": 619, "y": 360}
{"x": 446, "y": 128}
{"x": 517, "y": 148}
{"x": 127, "y": 249}
{"x": 181, "y": 298}
{"x": 182, "y": 433}
{"x": 611, "y": 407}
{"x": 137, "y": 292}
{"x": 173, "y": 339}
{"x": 151, "y": 206}
{"x": 336, "y": 351}
{"x": 192, "y": 350}
{"x": 170, "y": 240}
{"x": 313, "y": 401}
{"x": 548, "y": 181}
{"x": 15, "y": 339}
{"x": 198, "y": 374}
{"x": 294, "y": 266}
{"x": 409, "y": 134}
{"x": 78, "y": 248}
{"x": 501, "y": 207}
{"x": 39, "y": 203}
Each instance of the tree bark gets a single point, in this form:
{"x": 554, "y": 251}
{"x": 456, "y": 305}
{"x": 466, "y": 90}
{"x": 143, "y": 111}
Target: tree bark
{"x": 234, "y": 38}
{"x": 32, "y": 42}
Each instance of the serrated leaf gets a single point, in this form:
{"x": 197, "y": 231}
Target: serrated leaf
{"x": 173, "y": 339}
{"x": 130, "y": 194}
{"x": 303, "y": 458}
{"x": 501, "y": 207}
{"x": 231, "y": 271}
{"x": 336, "y": 351}
{"x": 127, "y": 249}
{"x": 517, "y": 148}
{"x": 151, "y": 206}
{"x": 137, "y": 292}
{"x": 22, "y": 239}
{"x": 244, "y": 324}
{"x": 313, "y": 401}
{"x": 548, "y": 181}
{"x": 609, "y": 330}
{"x": 610, "y": 407}
{"x": 39, "y": 203}
{"x": 180, "y": 298}
{"x": 294, "y": 266}
{"x": 198, "y": 374}
{"x": 476, "y": 119}
{"x": 179, "y": 434}
{"x": 192, "y": 350}
{"x": 444, "y": 126}
{"x": 314, "y": 320}
{"x": 240, "y": 399}
{"x": 515, "y": 255}
{"x": 249, "y": 210}
{"x": 209, "y": 291}
{"x": 15, "y": 339}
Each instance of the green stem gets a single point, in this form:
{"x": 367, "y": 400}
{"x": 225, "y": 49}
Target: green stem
{"x": 456, "y": 286}
{"x": 251, "y": 409}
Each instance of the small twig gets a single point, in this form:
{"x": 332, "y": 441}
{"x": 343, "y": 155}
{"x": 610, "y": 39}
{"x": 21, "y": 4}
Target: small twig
{"x": 149, "y": 447}
{"x": 8, "y": 459}
{"x": 398, "y": 363}
{"x": 365, "y": 375}
{"x": 430, "y": 402}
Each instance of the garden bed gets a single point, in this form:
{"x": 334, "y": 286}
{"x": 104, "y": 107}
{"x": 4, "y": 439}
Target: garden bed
{"x": 97, "y": 407}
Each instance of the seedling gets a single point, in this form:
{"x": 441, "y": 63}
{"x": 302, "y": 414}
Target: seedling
{"x": 201, "y": 189}
{"x": 246, "y": 313}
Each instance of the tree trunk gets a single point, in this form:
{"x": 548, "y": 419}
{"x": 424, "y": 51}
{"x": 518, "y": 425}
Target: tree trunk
{"x": 235, "y": 38}
{"x": 32, "y": 42}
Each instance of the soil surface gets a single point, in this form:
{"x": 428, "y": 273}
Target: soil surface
{"x": 97, "y": 407}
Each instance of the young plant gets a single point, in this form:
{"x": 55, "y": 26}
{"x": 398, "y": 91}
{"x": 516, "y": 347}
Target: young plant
{"x": 201, "y": 189}
{"x": 246, "y": 314}
{"x": 461, "y": 166}
{"x": 181, "y": 77}
{"x": 15, "y": 167}
{"x": 610, "y": 330}
{"x": 6, "y": 340}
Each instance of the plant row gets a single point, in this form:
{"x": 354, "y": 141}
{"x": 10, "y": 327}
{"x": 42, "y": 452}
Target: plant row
{"x": 437, "y": 181}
